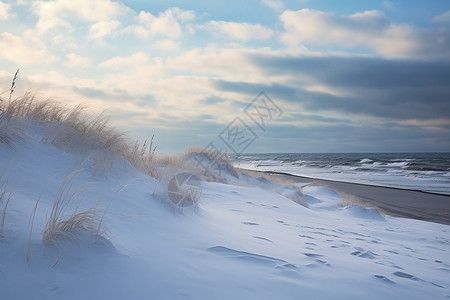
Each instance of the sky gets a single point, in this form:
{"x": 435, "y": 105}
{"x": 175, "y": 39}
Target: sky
{"x": 243, "y": 76}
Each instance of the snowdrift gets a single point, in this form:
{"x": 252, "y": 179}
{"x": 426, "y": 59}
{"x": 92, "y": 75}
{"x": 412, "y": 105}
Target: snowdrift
{"x": 84, "y": 215}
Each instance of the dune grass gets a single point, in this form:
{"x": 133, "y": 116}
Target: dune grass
{"x": 6, "y": 133}
{"x": 69, "y": 129}
{"x": 67, "y": 220}
{"x": 73, "y": 130}
{"x": 5, "y": 197}
{"x": 142, "y": 157}
{"x": 62, "y": 224}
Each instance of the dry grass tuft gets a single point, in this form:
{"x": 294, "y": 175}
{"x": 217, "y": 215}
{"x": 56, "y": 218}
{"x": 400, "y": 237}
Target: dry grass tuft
{"x": 6, "y": 134}
{"x": 5, "y": 197}
{"x": 68, "y": 129}
{"x": 142, "y": 157}
{"x": 60, "y": 224}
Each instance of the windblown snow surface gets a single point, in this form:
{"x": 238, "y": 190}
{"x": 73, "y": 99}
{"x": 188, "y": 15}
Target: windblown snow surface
{"x": 242, "y": 240}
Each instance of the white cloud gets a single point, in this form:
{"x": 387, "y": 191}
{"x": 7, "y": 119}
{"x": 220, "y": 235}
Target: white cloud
{"x": 225, "y": 63}
{"x": 240, "y": 31}
{"x": 53, "y": 14}
{"x": 166, "y": 24}
{"x": 323, "y": 28}
{"x": 132, "y": 61}
{"x": 5, "y": 11}
{"x": 13, "y": 48}
{"x": 134, "y": 77}
{"x": 102, "y": 29}
{"x": 444, "y": 18}
{"x": 76, "y": 61}
{"x": 183, "y": 15}
{"x": 167, "y": 45}
{"x": 65, "y": 41}
{"x": 370, "y": 29}
{"x": 276, "y": 5}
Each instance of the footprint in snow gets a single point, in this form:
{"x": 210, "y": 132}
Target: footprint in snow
{"x": 313, "y": 255}
{"x": 317, "y": 265}
{"x": 250, "y": 223}
{"x": 444, "y": 269}
{"x": 406, "y": 275}
{"x": 306, "y": 236}
{"x": 249, "y": 257}
{"x": 412, "y": 277}
{"x": 262, "y": 238}
{"x": 324, "y": 234}
{"x": 384, "y": 279}
{"x": 364, "y": 253}
{"x": 284, "y": 267}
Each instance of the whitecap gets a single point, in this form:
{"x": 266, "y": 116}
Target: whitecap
{"x": 365, "y": 160}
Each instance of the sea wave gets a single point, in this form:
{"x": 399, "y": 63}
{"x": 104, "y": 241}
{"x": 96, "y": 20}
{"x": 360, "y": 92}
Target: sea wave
{"x": 427, "y": 172}
{"x": 365, "y": 160}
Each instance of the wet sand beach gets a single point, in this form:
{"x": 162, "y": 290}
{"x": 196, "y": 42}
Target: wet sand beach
{"x": 391, "y": 201}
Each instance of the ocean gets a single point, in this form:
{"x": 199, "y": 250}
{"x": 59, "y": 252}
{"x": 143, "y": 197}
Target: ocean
{"x": 429, "y": 172}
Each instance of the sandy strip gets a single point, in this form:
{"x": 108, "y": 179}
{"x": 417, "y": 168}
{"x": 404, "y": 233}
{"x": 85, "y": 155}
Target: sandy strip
{"x": 391, "y": 201}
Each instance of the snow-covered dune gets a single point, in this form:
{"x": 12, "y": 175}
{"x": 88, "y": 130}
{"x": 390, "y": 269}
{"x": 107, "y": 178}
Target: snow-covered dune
{"x": 245, "y": 238}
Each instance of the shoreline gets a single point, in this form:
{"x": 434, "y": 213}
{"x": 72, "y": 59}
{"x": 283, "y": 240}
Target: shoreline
{"x": 357, "y": 183}
{"x": 398, "y": 202}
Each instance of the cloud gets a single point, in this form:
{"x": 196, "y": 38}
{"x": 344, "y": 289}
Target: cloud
{"x": 276, "y": 5}
{"x": 178, "y": 75}
{"x": 369, "y": 29}
{"x": 137, "y": 74}
{"x": 252, "y": 89}
{"x": 323, "y": 28}
{"x": 167, "y": 45}
{"x": 367, "y": 137}
{"x": 183, "y": 15}
{"x": 102, "y": 29}
{"x": 226, "y": 63}
{"x": 240, "y": 31}
{"x": 14, "y": 48}
{"x": 76, "y": 61}
{"x": 135, "y": 60}
{"x": 381, "y": 88}
{"x": 216, "y": 62}
{"x": 365, "y": 72}
{"x": 58, "y": 13}
{"x": 444, "y": 18}
{"x": 166, "y": 24}
{"x": 5, "y": 11}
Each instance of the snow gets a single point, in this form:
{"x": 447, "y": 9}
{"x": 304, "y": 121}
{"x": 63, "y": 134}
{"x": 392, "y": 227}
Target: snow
{"x": 244, "y": 239}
